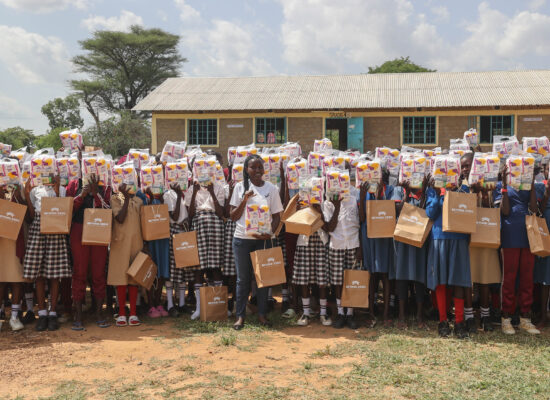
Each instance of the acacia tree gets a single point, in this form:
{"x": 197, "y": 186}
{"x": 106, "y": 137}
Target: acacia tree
{"x": 402, "y": 64}
{"x": 123, "y": 67}
{"x": 63, "y": 112}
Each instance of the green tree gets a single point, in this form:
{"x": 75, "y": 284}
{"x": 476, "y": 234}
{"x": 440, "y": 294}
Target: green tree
{"x": 63, "y": 112}
{"x": 50, "y": 139}
{"x": 117, "y": 135}
{"x": 17, "y": 137}
{"x": 123, "y": 67}
{"x": 402, "y": 64}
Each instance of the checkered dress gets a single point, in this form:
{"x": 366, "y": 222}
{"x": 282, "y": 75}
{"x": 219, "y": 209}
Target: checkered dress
{"x": 210, "y": 238}
{"x": 229, "y": 268}
{"x": 310, "y": 263}
{"x": 280, "y": 241}
{"x": 339, "y": 260}
{"x": 179, "y": 275}
{"x": 46, "y": 256}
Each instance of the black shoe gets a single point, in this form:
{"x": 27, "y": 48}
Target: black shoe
{"x": 444, "y": 329}
{"x": 339, "y": 322}
{"x": 53, "y": 324}
{"x": 28, "y": 318}
{"x": 461, "y": 332}
{"x": 496, "y": 316}
{"x": 190, "y": 299}
{"x": 42, "y": 323}
{"x": 173, "y": 312}
{"x": 471, "y": 325}
{"x": 350, "y": 322}
{"x": 515, "y": 321}
{"x": 486, "y": 324}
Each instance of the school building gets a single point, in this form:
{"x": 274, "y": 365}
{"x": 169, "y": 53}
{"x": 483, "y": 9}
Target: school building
{"x": 355, "y": 111}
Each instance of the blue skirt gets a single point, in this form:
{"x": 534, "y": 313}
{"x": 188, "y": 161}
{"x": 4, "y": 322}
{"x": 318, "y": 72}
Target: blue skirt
{"x": 364, "y": 247}
{"x": 449, "y": 263}
{"x": 542, "y": 270}
{"x": 382, "y": 256}
{"x": 411, "y": 262}
{"x": 160, "y": 253}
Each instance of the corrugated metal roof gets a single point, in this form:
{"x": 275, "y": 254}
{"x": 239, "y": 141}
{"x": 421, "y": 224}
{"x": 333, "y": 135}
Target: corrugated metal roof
{"x": 365, "y": 91}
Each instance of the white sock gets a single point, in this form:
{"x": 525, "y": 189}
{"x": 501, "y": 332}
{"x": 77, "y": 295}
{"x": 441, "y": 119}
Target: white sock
{"x": 29, "y": 299}
{"x": 197, "y": 312}
{"x": 285, "y": 295}
{"x": 350, "y": 311}
{"x": 15, "y": 308}
{"x": 392, "y": 300}
{"x": 485, "y": 312}
{"x": 305, "y": 304}
{"x": 340, "y": 308}
{"x": 323, "y": 305}
{"x": 181, "y": 298}
{"x": 170, "y": 294}
{"x": 42, "y": 313}
{"x": 52, "y": 314}
{"x": 468, "y": 313}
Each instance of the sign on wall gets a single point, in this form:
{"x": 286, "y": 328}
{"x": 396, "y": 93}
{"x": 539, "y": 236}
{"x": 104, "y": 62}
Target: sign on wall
{"x": 235, "y": 126}
{"x": 532, "y": 119}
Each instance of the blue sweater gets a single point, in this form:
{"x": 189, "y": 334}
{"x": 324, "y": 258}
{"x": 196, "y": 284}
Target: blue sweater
{"x": 434, "y": 211}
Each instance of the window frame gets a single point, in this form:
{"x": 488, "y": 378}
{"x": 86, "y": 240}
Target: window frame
{"x": 217, "y": 131}
{"x": 255, "y": 131}
{"x": 478, "y": 125}
{"x": 412, "y": 134}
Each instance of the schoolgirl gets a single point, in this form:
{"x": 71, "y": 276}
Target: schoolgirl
{"x": 252, "y": 190}
{"x": 179, "y": 223}
{"x": 46, "y": 257}
{"x": 542, "y": 264}
{"x": 411, "y": 262}
{"x": 205, "y": 207}
{"x": 89, "y": 196}
{"x": 12, "y": 268}
{"x": 517, "y": 260}
{"x": 343, "y": 227}
{"x": 448, "y": 264}
{"x": 126, "y": 243}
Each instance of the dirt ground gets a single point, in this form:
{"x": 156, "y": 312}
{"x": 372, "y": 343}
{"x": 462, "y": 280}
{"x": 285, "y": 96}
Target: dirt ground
{"x": 167, "y": 358}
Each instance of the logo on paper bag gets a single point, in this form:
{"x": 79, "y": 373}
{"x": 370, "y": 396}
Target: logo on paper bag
{"x": 157, "y": 218}
{"x": 413, "y": 219}
{"x": 148, "y": 274}
{"x": 462, "y": 208}
{"x": 486, "y": 221}
{"x": 55, "y": 211}
{"x": 216, "y": 300}
{"x": 382, "y": 215}
{"x": 356, "y": 285}
{"x": 185, "y": 246}
{"x": 98, "y": 222}
{"x": 542, "y": 232}
{"x": 270, "y": 262}
{"x": 9, "y": 216}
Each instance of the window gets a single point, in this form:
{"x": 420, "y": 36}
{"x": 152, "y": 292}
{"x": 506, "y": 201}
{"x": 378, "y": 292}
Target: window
{"x": 270, "y": 131}
{"x": 203, "y": 132}
{"x": 495, "y": 125}
{"x": 419, "y": 130}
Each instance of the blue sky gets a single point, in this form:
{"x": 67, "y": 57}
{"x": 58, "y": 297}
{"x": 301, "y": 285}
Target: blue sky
{"x": 266, "y": 37}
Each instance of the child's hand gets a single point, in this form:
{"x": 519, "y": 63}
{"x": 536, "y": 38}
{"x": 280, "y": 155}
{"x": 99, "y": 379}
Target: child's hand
{"x": 28, "y": 187}
{"x": 249, "y": 194}
{"x": 364, "y": 189}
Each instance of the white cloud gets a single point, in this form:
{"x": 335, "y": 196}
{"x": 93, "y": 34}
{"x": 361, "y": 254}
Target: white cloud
{"x": 121, "y": 23}
{"x": 441, "y": 13}
{"x": 225, "y": 49}
{"x": 187, "y": 13}
{"x": 12, "y": 109}
{"x": 44, "y": 6}
{"x": 536, "y": 4}
{"x": 33, "y": 58}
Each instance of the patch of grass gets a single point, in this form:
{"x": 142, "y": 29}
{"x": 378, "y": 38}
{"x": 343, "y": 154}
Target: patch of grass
{"x": 228, "y": 340}
{"x": 187, "y": 368}
{"x": 69, "y": 390}
{"x": 155, "y": 363}
{"x": 72, "y": 365}
{"x": 326, "y": 352}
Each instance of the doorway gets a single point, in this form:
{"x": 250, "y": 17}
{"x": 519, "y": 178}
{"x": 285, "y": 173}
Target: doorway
{"x": 336, "y": 129}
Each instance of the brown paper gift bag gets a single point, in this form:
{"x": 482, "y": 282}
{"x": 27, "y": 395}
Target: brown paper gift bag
{"x": 142, "y": 271}
{"x": 269, "y": 267}
{"x": 355, "y": 291}
{"x": 11, "y": 218}
{"x": 304, "y": 222}
{"x": 413, "y": 226}
{"x": 537, "y": 233}
{"x": 186, "y": 252}
{"x": 459, "y": 212}
{"x": 487, "y": 232}
{"x": 380, "y": 218}
{"x": 56, "y": 215}
{"x": 97, "y": 227}
{"x": 213, "y": 303}
{"x": 155, "y": 222}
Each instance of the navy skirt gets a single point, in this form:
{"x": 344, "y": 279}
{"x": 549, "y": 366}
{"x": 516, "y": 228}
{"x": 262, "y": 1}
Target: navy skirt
{"x": 449, "y": 263}
{"x": 542, "y": 271}
{"x": 411, "y": 262}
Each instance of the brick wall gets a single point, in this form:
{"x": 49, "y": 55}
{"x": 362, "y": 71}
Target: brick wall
{"x": 381, "y": 131}
{"x": 169, "y": 129}
{"x": 451, "y": 128}
{"x": 533, "y": 128}
{"x": 236, "y": 136}
{"x": 304, "y": 131}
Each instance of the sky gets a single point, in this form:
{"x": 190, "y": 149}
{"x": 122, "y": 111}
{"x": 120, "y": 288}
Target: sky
{"x": 38, "y": 38}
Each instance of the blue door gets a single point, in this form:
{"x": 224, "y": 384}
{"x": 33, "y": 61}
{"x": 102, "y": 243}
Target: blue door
{"x": 355, "y": 133}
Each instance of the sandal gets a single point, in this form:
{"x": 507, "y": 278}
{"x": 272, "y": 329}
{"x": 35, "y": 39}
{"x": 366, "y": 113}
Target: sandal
{"x": 121, "y": 321}
{"x": 134, "y": 320}
{"x": 77, "y": 326}
{"x": 103, "y": 323}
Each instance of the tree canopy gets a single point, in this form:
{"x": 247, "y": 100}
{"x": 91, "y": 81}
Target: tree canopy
{"x": 17, "y": 137}
{"x": 402, "y": 64}
{"x": 63, "y": 112}
{"x": 123, "y": 67}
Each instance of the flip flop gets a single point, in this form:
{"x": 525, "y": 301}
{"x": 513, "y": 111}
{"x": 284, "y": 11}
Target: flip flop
{"x": 77, "y": 326}
{"x": 103, "y": 324}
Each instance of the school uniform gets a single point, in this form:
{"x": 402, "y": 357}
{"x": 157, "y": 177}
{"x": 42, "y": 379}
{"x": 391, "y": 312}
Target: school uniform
{"x": 160, "y": 252}
{"x": 209, "y": 227}
{"x": 47, "y": 256}
{"x": 177, "y": 275}
{"x": 448, "y": 254}
{"x": 228, "y": 268}
{"x": 290, "y": 240}
{"x": 344, "y": 240}
{"x": 243, "y": 244}
{"x": 541, "y": 272}
{"x": 311, "y": 264}
{"x": 13, "y": 252}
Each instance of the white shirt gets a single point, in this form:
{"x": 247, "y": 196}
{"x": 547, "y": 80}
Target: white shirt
{"x": 170, "y": 198}
{"x": 346, "y": 233}
{"x": 203, "y": 200}
{"x": 44, "y": 191}
{"x": 268, "y": 194}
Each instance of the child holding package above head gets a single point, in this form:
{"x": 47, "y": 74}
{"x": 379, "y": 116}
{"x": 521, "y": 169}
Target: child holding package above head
{"x": 47, "y": 256}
